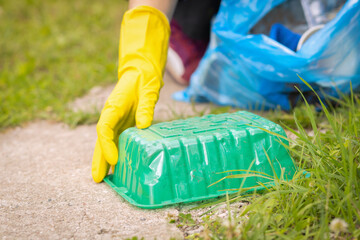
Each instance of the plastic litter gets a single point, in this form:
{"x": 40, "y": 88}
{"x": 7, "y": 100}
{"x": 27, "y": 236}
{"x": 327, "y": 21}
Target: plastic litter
{"x": 317, "y": 11}
{"x": 176, "y": 162}
{"x": 256, "y": 72}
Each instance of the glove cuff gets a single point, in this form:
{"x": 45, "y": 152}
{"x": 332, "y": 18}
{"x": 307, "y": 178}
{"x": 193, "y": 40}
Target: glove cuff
{"x": 144, "y": 39}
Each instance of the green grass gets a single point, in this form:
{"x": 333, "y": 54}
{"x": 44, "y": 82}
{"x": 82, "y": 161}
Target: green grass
{"x": 52, "y": 52}
{"x": 304, "y": 208}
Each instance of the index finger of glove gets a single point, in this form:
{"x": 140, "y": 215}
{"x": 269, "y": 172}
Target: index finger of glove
{"x": 147, "y": 100}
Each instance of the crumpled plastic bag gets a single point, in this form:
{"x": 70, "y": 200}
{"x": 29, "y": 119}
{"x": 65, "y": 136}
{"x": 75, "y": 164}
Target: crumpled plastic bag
{"x": 256, "y": 72}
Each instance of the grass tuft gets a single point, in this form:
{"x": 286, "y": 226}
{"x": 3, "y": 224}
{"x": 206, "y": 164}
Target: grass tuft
{"x": 323, "y": 205}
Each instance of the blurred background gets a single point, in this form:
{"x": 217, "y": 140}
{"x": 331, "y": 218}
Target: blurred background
{"x": 52, "y": 52}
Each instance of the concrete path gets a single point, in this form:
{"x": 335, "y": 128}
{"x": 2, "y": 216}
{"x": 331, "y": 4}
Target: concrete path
{"x": 166, "y": 108}
{"x": 46, "y": 189}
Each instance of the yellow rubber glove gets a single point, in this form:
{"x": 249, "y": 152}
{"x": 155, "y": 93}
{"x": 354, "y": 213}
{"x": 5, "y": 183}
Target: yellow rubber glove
{"x": 143, "y": 48}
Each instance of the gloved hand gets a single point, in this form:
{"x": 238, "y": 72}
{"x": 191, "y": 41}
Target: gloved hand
{"x": 143, "y": 48}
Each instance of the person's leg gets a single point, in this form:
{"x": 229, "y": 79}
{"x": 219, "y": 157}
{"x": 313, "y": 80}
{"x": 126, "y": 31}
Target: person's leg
{"x": 190, "y": 32}
{"x": 194, "y": 16}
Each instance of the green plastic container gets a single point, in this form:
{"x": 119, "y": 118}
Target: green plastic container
{"x": 176, "y": 162}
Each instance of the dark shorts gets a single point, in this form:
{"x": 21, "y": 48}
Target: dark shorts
{"x": 194, "y": 17}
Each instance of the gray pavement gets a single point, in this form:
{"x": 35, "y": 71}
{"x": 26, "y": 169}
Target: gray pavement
{"x": 46, "y": 189}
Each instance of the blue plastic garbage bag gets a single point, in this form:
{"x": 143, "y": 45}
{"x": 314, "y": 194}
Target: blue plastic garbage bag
{"x": 256, "y": 72}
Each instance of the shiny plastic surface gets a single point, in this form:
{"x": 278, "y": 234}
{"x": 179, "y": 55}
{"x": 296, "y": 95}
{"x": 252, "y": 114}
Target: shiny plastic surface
{"x": 256, "y": 72}
{"x": 176, "y": 161}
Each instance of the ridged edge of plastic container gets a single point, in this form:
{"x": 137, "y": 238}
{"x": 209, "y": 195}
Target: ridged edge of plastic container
{"x": 122, "y": 193}
{"x": 119, "y": 191}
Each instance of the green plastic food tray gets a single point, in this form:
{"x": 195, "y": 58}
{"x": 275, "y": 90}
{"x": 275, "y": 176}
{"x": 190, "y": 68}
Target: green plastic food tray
{"x": 176, "y": 162}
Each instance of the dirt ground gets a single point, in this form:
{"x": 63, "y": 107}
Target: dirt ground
{"x": 46, "y": 189}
